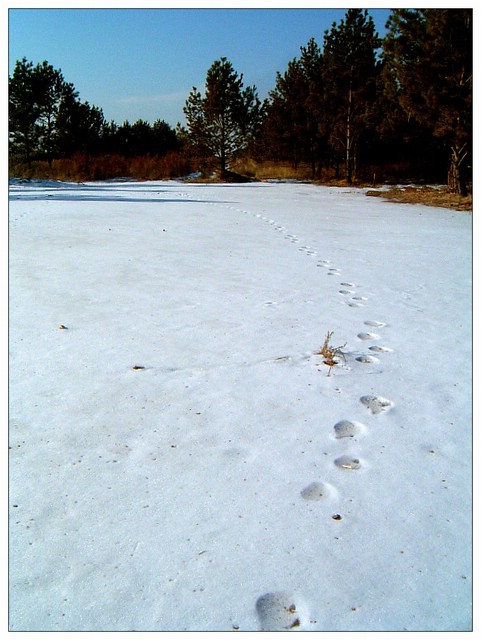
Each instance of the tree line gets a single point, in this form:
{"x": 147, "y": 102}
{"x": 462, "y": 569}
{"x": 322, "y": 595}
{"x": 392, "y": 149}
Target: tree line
{"x": 350, "y": 108}
{"x": 48, "y": 120}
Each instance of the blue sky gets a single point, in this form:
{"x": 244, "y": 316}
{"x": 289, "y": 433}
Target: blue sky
{"x": 142, "y": 63}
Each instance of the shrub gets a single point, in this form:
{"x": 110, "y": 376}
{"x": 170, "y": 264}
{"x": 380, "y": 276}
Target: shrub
{"x": 83, "y": 166}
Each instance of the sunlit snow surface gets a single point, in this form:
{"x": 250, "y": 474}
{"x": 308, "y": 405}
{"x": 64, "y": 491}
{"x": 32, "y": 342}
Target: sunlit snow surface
{"x": 180, "y": 456}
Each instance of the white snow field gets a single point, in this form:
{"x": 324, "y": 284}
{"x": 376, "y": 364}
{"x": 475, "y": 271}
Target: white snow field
{"x": 180, "y": 456}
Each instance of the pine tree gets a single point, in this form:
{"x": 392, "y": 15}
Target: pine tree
{"x": 78, "y": 126}
{"x": 195, "y": 137}
{"x": 163, "y": 138}
{"x": 23, "y": 112}
{"x": 311, "y": 63}
{"x": 286, "y": 126}
{"x": 224, "y": 122}
{"x": 349, "y": 74}
{"x": 49, "y": 87}
{"x": 46, "y": 118}
{"x": 34, "y": 98}
{"x": 429, "y": 54}
{"x": 295, "y": 125}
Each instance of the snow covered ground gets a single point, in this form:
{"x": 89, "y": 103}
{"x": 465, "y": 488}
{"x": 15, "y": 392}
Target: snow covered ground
{"x": 180, "y": 457}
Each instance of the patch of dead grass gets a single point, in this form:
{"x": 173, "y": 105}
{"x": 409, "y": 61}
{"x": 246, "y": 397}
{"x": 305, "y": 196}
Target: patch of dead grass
{"x": 430, "y": 196}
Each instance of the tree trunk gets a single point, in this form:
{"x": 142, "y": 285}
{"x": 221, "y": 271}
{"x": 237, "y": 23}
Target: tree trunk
{"x": 48, "y": 140}
{"x": 349, "y": 135}
{"x": 223, "y": 163}
{"x": 456, "y": 174}
{"x": 223, "y": 147}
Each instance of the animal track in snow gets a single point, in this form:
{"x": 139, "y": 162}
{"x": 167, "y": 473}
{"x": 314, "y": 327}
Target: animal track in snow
{"x": 348, "y": 284}
{"x": 366, "y": 359}
{"x": 368, "y": 336}
{"x": 345, "y": 292}
{"x": 379, "y": 349}
{"x": 334, "y": 272}
{"x": 347, "y": 462}
{"x": 281, "y": 610}
{"x": 347, "y": 429}
{"x": 316, "y": 491}
{"x": 308, "y": 250}
{"x": 376, "y": 404}
{"x": 374, "y": 323}
{"x": 359, "y": 298}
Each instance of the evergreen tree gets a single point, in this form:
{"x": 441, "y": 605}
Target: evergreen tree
{"x": 78, "y": 126}
{"x": 140, "y": 143}
{"x": 23, "y": 112}
{"x": 429, "y": 54}
{"x": 46, "y": 118}
{"x": 251, "y": 117}
{"x": 49, "y": 88}
{"x": 404, "y": 147}
{"x": 224, "y": 122}
{"x": 316, "y": 124}
{"x": 195, "y": 135}
{"x": 295, "y": 127}
{"x": 34, "y": 98}
{"x": 117, "y": 138}
{"x": 349, "y": 75}
{"x": 285, "y": 127}
{"x": 108, "y": 140}
{"x": 164, "y": 138}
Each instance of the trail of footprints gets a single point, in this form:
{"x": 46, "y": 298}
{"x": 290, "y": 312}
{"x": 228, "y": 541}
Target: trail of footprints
{"x": 279, "y": 611}
{"x": 284, "y": 610}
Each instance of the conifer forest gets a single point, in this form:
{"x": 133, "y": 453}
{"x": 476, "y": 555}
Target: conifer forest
{"x": 355, "y": 109}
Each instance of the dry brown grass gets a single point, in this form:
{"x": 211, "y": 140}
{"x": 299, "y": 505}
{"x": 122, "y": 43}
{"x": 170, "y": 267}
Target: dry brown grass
{"x": 430, "y": 196}
{"x": 82, "y": 167}
{"x": 272, "y": 170}
{"x": 331, "y": 354}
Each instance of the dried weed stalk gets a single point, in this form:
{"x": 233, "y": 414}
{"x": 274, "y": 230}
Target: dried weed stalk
{"x": 330, "y": 353}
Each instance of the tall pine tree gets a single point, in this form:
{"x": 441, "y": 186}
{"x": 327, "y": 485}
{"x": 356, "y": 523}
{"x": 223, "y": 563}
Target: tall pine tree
{"x": 293, "y": 128}
{"x": 429, "y": 54}
{"x": 285, "y": 127}
{"x": 24, "y": 112}
{"x": 223, "y": 123}
{"x": 46, "y": 118}
{"x": 49, "y": 87}
{"x": 350, "y": 69}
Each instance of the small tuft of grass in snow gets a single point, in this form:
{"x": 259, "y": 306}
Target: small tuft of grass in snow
{"x": 330, "y": 353}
